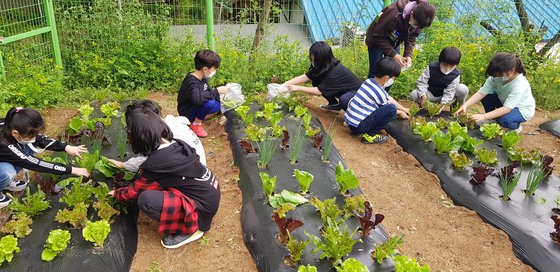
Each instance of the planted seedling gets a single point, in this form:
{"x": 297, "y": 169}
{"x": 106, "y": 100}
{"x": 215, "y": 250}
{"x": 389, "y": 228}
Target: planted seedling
{"x": 310, "y": 132}
{"x": 354, "y": 205}
{"x": 328, "y": 210}
{"x": 366, "y": 222}
{"x": 413, "y": 109}
{"x": 247, "y": 146}
{"x": 546, "y": 165}
{"x": 346, "y": 178}
{"x": 417, "y": 121}
{"x": 80, "y": 193}
{"x": 469, "y": 144}
{"x": 76, "y": 217}
{"x": 19, "y": 225}
{"x": 104, "y": 210}
{"x": 459, "y": 160}
{"x": 455, "y": 129}
{"x": 284, "y": 208}
{"x": 466, "y": 121}
{"x": 56, "y": 242}
{"x": 268, "y": 183}
{"x": 536, "y": 176}
{"x": 268, "y": 110}
{"x": 426, "y": 131}
{"x": 285, "y": 226}
{"x": 433, "y": 108}
{"x": 510, "y": 139}
{"x": 110, "y": 109}
{"x": 31, "y": 204}
{"x": 518, "y": 154}
{"x": 277, "y": 129}
{"x": 106, "y": 167}
{"x": 508, "y": 179}
{"x": 266, "y": 150}
{"x": 445, "y": 143}
{"x": 406, "y": 264}
{"x": 317, "y": 141}
{"x": 286, "y": 197}
{"x": 285, "y": 140}
{"x": 296, "y": 249}
{"x": 307, "y": 268}
{"x": 256, "y": 133}
{"x": 296, "y": 146}
{"x": 335, "y": 243}
{"x": 88, "y": 160}
{"x": 491, "y": 131}
{"x": 300, "y": 111}
{"x": 487, "y": 157}
{"x": 242, "y": 111}
{"x": 442, "y": 123}
{"x": 555, "y": 236}
{"x": 480, "y": 173}
{"x": 352, "y": 265}
{"x": 8, "y": 247}
{"x": 304, "y": 179}
{"x": 387, "y": 249}
{"x": 96, "y": 232}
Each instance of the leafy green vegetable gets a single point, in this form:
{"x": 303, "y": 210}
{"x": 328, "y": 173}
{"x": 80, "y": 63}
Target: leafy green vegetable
{"x": 255, "y": 133}
{"x": 19, "y": 225}
{"x": 266, "y": 150}
{"x": 268, "y": 109}
{"x": 32, "y": 204}
{"x": 328, "y": 209}
{"x": 509, "y": 179}
{"x": 296, "y": 145}
{"x": 536, "y": 176}
{"x": 88, "y": 160}
{"x": 469, "y": 143}
{"x": 426, "y": 131}
{"x": 296, "y": 248}
{"x": 56, "y": 242}
{"x": 104, "y": 210}
{"x": 517, "y": 154}
{"x": 96, "y": 232}
{"x": 8, "y": 246}
{"x": 65, "y": 182}
{"x": 268, "y": 183}
{"x": 304, "y": 179}
{"x": 387, "y": 249}
{"x": 346, "y": 178}
{"x": 455, "y": 129}
{"x": 417, "y": 121}
{"x": 433, "y": 108}
{"x": 300, "y": 111}
{"x": 445, "y": 143}
{"x": 351, "y": 265}
{"x": 75, "y": 125}
{"x": 413, "y": 109}
{"x": 310, "y": 132}
{"x": 466, "y": 120}
{"x": 110, "y": 109}
{"x": 306, "y": 119}
{"x": 405, "y": 264}
{"x": 276, "y": 118}
{"x": 327, "y": 143}
{"x": 354, "y": 205}
{"x": 459, "y": 160}
{"x": 80, "y": 193}
{"x": 284, "y": 208}
{"x": 510, "y": 139}
{"x": 308, "y": 268}
{"x": 76, "y": 217}
{"x": 487, "y": 157}
{"x": 442, "y": 123}
{"x": 490, "y": 131}
{"x": 106, "y": 167}
{"x": 85, "y": 110}
{"x": 335, "y": 243}
{"x": 243, "y": 111}
{"x": 286, "y": 197}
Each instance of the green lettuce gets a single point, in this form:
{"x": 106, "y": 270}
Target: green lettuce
{"x": 459, "y": 160}
{"x": 56, "y": 242}
{"x": 286, "y": 197}
{"x": 304, "y": 179}
{"x": 96, "y": 232}
{"x": 8, "y": 246}
{"x": 351, "y": 265}
{"x": 268, "y": 183}
{"x": 346, "y": 178}
{"x": 405, "y": 264}
{"x": 510, "y": 139}
{"x": 490, "y": 131}
{"x": 487, "y": 157}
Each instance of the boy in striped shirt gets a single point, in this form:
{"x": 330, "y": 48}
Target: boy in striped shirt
{"x": 372, "y": 108}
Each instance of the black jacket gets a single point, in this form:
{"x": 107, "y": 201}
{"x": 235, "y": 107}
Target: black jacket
{"x": 194, "y": 92}
{"x": 11, "y": 151}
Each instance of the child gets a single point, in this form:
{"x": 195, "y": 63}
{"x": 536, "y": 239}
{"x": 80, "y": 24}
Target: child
{"x": 506, "y": 94}
{"x": 399, "y": 22}
{"x": 196, "y": 100}
{"x": 174, "y": 188}
{"x": 19, "y": 139}
{"x": 439, "y": 83}
{"x": 328, "y": 76}
{"x": 372, "y": 107}
{"x": 179, "y": 127}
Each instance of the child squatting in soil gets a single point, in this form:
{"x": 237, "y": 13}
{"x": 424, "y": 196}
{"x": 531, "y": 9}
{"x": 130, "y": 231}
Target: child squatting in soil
{"x": 174, "y": 188}
{"x": 20, "y": 139}
{"x": 197, "y": 100}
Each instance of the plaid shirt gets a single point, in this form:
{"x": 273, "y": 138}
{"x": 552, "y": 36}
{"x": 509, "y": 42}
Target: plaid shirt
{"x": 179, "y": 214}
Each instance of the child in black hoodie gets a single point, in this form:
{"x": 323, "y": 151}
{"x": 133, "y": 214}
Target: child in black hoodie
{"x": 174, "y": 187}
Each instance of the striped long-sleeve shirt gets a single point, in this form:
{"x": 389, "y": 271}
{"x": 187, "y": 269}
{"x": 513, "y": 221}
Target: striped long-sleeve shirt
{"x": 369, "y": 98}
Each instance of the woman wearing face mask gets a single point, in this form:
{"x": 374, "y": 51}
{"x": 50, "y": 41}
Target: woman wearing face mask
{"x": 401, "y": 21}
{"x": 328, "y": 76}
{"x": 19, "y": 139}
{"x": 506, "y": 96}
{"x": 440, "y": 81}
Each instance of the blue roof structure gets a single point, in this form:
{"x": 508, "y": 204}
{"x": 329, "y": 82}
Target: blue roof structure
{"x": 326, "y": 18}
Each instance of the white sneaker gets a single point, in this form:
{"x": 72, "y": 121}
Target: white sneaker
{"x": 16, "y": 186}
{"x": 4, "y": 201}
{"x": 519, "y": 129}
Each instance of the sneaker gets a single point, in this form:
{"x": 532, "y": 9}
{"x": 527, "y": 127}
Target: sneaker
{"x": 332, "y": 108}
{"x": 16, "y": 186}
{"x": 179, "y": 240}
{"x": 344, "y": 124}
{"x": 376, "y": 139}
{"x": 4, "y": 200}
{"x": 519, "y": 129}
{"x": 198, "y": 130}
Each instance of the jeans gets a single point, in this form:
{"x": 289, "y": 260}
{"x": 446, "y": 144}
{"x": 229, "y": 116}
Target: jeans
{"x": 343, "y": 98}
{"x": 8, "y": 171}
{"x": 200, "y": 112}
{"x": 375, "y": 56}
{"x": 151, "y": 203}
{"x": 511, "y": 120}
{"x": 376, "y": 121}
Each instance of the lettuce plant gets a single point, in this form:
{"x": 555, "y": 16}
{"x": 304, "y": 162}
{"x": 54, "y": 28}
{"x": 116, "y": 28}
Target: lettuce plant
{"x": 455, "y": 129}
{"x": 268, "y": 110}
{"x": 546, "y": 165}
{"x": 487, "y": 157}
{"x": 88, "y": 160}
{"x": 426, "y": 131}
{"x": 480, "y": 173}
{"x": 286, "y": 197}
{"x": 459, "y": 160}
{"x": 296, "y": 248}
{"x": 555, "y": 236}
{"x": 433, "y": 108}
{"x": 318, "y": 141}
{"x": 490, "y": 131}
{"x": 353, "y": 205}
{"x": 104, "y": 210}
{"x": 335, "y": 243}
{"x": 19, "y": 225}
{"x": 406, "y": 264}
{"x": 285, "y": 140}
{"x": 31, "y": 204}
{"x": 510, "y": 139}
{"x": 284, "y": 208}
{"x": 247, "y": 146}
{"x": 56, "y": 242}
{"x": 413, "y": 109}
{"x": 8, "y": 247}
{"x": 307, "y": 268}
{"x": 351, "y": 265}
{"x": 110, "y": 109}
{"x": 79, "y": 193}
{"x": 304, "y": 179}
{"x": 328, "y": 209}
{"x": 96, "y": 232}
{"x": 300, "y": 111}
{"x": 469, "y": 144}
{"x": 286, "y": 226}
{"x": 366, "y": 222}
{"x": 242, "y": 111}
{"x": 442, "y": 123}
{"x": 256, "y": 133}
{"x": 268, "y": 183}
{"x": 445, "y": 143}
{"x": 417, "y": 121}
{"x": 518, "y": 154}
{"x": 106, "y": 167}
{"x": 346, "y": 178}
{"x": 387, "y": 249}
{"x": 76, "y": 217}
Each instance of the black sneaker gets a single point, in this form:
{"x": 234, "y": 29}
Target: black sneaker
{"x": 375, "y": 139}
{"x": 16, "y": 186}
{"x": 4, "y": 200}
{"x": 333, "y": 108}
{"x": 179, "y": 240}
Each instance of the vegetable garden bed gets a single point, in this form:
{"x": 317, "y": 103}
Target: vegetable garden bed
{"x": 552, "y": 126}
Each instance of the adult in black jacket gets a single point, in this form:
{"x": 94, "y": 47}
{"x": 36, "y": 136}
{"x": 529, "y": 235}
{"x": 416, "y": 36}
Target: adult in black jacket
{"x": 328, "y": 76}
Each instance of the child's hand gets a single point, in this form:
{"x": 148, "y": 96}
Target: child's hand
{"x": 293, "y": 88}
{"x": 82, "y": 172}
{"x": 462, "y": 110}
{"x": 402, "y": 114}
{"x": 75, "y": 150}
{"x": 118, "y": 164}
{"x": 400, "y": 60}
{"x": 223, "y": 89}
{"x": 478, "y": 117}
{"x": 111, "y": 193}
{"x": 407, "y": 61}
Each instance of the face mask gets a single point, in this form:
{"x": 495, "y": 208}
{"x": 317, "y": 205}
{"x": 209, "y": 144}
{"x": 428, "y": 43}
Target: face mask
{"x": 210, "y": 75}
{"x": 389, "y": 82}
{"x": 26, "y": 142}
{"x": 501, "y": 79}
{"x": 446, "y": 72}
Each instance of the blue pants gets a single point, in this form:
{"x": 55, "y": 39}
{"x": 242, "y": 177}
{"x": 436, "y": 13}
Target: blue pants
{"x": 511, "y": 120}
{"x": 200, "y": 112}
{"x": 344, "y": 100}
{"x": 375, "y": 56}
{"x": 8, "y": 171}
{"x": 376, "y": 121}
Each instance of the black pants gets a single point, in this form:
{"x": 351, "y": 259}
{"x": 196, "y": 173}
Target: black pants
{"x": 335, "y": 99}
{"x": 376, "y": 121}
{"x": 151, "y": 203}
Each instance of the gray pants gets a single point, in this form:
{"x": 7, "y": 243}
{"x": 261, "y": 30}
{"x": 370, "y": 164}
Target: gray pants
{"x": 151, "y": 203}
{"x": 461, "y": 93}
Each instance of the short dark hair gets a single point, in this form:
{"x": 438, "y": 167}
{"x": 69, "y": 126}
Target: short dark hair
{"x": 502, "y": 62}
{"x": 387, "y": 67}
{"x": 206, "y": 58}
{"x": 28, "y": 122}
{"x": 146, "y": 130}
{"x": 450, "y": 55}
{"x": 424, "y": 13}
{"x": 142, "y": 104}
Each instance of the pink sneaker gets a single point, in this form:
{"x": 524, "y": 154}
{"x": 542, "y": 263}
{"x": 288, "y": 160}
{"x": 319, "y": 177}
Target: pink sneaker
{"x": 198, "y": 130}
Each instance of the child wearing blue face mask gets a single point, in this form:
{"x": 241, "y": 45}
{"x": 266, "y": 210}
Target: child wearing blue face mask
{"x": 197, "y": 100}
{"x": 506, "y": 96}
{"x": 440, "y": 81}
{"x": 20, "y": 138}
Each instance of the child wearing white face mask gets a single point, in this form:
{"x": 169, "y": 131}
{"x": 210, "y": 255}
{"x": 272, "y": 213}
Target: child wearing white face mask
{"x": 197, "y": 100}
{"x": 20, "y": 138}
{"x": 440, "y": 81}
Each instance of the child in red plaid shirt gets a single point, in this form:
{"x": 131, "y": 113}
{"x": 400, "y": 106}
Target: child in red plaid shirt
{"x": 173, "y": 187}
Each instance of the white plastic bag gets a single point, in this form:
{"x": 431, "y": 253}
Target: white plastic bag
{"x": 233, "y": 98}
{"x": 275, "y": 90}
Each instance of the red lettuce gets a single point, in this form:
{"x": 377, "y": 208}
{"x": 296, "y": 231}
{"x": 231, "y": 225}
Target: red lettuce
{"x": 247, "y": 146}
{"x": 555, "y": 236}
{"x": 546, "y": 161}
{"x": 286, "y": 226}
{"x": 365, "y": 221}
{"x": 318, "y": 141}
{"x": 285, "y": 139}
{"x": 480, "y": 173}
